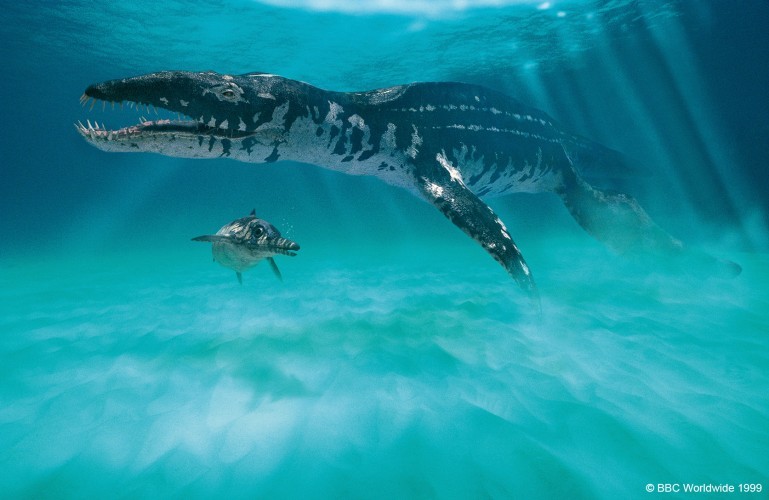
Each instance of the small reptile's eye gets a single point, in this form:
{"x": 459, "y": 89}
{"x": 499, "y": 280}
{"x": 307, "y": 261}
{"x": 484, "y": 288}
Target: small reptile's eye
{"x": 258, "y": 231}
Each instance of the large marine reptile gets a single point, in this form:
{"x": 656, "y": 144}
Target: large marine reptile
{"x": 449, "y": 143}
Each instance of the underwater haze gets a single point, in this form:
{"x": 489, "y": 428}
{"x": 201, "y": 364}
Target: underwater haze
{"x": 396, "y": 359}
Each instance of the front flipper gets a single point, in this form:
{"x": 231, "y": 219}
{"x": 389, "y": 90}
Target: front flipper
{"x": 275, "y": 269}
{"x": 212, "y": 238}
{"x": 440, "y": 183}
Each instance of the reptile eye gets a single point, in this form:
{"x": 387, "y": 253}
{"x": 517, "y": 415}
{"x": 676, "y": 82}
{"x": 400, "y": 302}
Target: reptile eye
{"x": 258, "y": 231}
{"x": 228, "y": 93}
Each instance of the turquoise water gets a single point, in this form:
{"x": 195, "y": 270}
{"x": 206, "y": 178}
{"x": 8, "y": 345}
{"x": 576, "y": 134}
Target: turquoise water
{"x": 396, "y": 360}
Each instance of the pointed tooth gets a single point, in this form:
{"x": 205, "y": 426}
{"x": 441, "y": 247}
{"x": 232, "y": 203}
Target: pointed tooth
{"x": 103, "y": 105}
{"x": 131, "y": 105}
{"x": 155, "y": 110}
{"x": 92, "y": 105}
{"x": 90, "y": 127}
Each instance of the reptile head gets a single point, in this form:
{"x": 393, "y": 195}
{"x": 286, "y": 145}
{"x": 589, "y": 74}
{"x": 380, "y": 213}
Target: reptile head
{"x": 190, "y": 112}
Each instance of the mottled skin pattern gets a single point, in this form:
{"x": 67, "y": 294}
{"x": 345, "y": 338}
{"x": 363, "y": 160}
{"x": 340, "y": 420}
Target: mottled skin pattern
{"x": 243, "y": 243}
{"x": 449, "y": 143}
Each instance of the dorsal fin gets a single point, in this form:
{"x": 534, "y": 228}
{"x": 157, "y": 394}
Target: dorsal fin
{"x": 253, "y": 212}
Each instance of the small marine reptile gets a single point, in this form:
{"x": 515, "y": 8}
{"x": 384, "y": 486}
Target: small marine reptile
{"x": 451, "y": 144}
{"x": 243, "y": 243}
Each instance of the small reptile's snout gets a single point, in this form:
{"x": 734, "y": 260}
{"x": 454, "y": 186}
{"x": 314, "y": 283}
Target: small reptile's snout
{"x": 284, "y": 243}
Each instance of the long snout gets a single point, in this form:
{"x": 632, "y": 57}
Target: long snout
{"x": 284, "y": 244}
{"x": 278, "y": 245}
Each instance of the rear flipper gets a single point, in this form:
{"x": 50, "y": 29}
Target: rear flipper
{"x": 441, "y": 184}
{"x": 618, "y": 221}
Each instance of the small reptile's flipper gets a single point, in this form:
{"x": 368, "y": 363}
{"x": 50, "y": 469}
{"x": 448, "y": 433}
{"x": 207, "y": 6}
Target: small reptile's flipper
{"x": 441, "y": 184}
{"x": 212, "y": 238}
{"x": 275, "y": 269}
